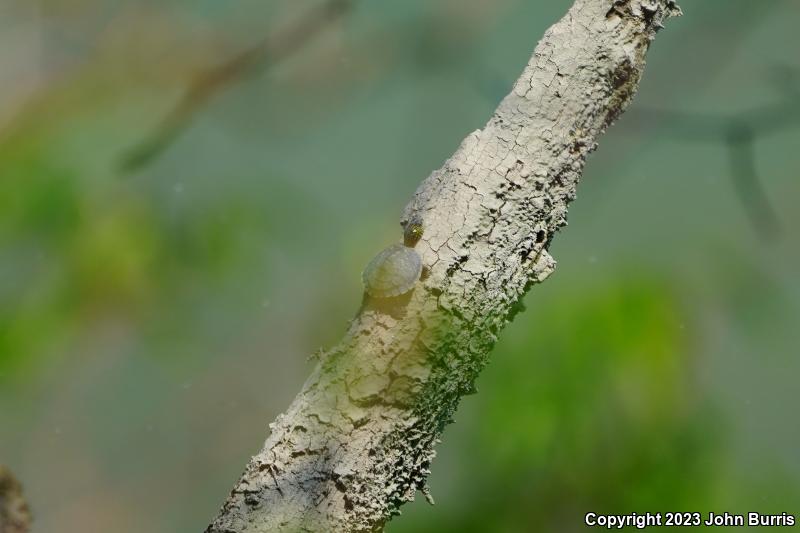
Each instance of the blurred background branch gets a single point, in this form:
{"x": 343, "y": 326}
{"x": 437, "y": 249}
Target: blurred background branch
{"x": 738, "y": 133}
{"x": 269, "y": 52}
{"x": 15, "y": 516}
{"x": 748, "y": 185}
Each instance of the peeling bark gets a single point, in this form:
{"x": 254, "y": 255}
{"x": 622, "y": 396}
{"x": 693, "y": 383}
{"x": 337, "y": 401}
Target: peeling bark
{"x": 358, "y": 440}
{"x": 15, "y": 517}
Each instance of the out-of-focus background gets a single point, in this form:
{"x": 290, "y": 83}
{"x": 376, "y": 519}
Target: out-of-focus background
{"x": 158, "y": 302}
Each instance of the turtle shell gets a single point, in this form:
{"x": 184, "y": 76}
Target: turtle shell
{"x": 392, "y": 272}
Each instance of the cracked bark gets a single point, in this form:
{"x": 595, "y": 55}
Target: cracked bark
{"x": 357, "y": 442}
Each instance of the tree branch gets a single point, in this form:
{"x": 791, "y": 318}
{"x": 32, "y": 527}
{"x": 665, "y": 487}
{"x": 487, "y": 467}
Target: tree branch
{"x": 15, "y": 517}
{"x": 358, "y": 440}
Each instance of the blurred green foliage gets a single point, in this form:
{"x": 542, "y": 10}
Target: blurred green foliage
{"x": 592, "y": 409}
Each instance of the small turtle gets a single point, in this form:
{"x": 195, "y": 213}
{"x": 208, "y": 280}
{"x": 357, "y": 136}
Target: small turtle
{"x": 396, "y": 269}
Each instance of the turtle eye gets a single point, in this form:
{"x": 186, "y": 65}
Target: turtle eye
{"x": 413, "y": 232}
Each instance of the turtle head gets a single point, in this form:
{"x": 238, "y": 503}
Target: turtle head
{"x": 412, "y": 231}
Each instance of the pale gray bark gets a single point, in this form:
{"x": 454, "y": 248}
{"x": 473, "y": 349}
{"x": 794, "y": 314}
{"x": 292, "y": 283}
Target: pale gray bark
{"x": 358, "y": 440}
